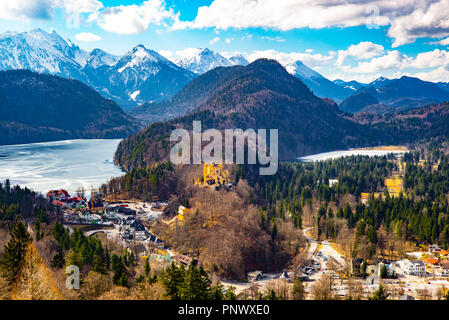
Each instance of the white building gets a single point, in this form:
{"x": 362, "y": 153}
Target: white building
{"x": 413, "y": 268}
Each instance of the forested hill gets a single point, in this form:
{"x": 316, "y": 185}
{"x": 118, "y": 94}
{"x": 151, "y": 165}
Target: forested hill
{"x": 262, "y": 95}
{"x": 37, "y": 107}
{"x": 411, "y": 125}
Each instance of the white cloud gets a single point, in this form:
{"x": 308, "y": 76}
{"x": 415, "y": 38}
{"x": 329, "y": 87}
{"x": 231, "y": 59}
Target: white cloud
{"x": 435, "y": 75}
{"x": 134, "y": 19}
{"x": 430, "y": 59}
{"x": 407, "y": 19}
{"x": 214, "y": 41}
{"x": 363, "y": 50}
{"x": 81, "y": 6}
{"x": 87, "y": 37}
{"x": 43, "y": 9}
{"x": 228, "y": 40}
{"x": 391, "y": 60}
{"x": 443, "y": 42}
{"x": 277, "y": 39}
{"x": 311, "y": 60}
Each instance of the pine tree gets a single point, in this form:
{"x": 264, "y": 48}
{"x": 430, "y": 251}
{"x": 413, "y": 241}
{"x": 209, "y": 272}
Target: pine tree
{"x": 14, "y": 254}
{"x": 147, "y": 268}
{"x": 58, "y": 260}
{"x": 380, "y": 294}
{"x": 271, "y": 295}
{"x": 172, "y": 279}
{"x": 230, "y": 294}
{"x": 298, "y": 291}
{"x": 99, "y": 265}
{"x": 217, "y": 291}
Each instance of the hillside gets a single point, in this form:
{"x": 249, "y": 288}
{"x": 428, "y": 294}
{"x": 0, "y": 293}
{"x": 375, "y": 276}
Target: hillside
{"x": 194, "y": 93}
{"x": 362, "y": 98}
{"x": 38, "y": 107}
{"x": 411, "y": 125}
{"x": 262, "y": 95}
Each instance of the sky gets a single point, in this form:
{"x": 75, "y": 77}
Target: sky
{"x": 341, "y": 39}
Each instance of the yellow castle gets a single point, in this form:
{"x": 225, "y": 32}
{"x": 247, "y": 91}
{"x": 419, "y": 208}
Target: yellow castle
{"x": 213, "y": 174}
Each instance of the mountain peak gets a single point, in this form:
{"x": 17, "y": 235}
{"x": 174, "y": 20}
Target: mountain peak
{"x": 201, "y": 60}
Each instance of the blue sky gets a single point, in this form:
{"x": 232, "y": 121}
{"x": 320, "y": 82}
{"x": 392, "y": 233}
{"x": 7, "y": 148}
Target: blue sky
{"x": 348, "y": 39}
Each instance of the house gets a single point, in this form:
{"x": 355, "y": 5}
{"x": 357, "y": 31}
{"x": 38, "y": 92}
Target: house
{"x": 61, "y": 195}
{"x": 255, "y": 275}
{"x": 431, "y": 261}
{"x": 371, "y": 269}
{"x": 182, "y": 259}
{"x": 445, "y": 268}
{"x": 434, "y": 248}
{"x": 285, "y": 276}
{"x": 443, "y": 253}
{"x": 414, "y": 268}
{"x": 332, "y": 182}
{"x": 356, "y": 264}
{"x": 390, "y": 266}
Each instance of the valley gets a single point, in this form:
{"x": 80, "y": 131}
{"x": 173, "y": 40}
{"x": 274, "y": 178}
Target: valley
{"x": 357, "y": 208}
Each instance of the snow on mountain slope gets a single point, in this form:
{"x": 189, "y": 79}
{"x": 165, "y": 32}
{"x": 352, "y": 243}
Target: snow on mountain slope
{"x": 117, "y": 78}
{"x": 320, "y": 86}
{"x": 239, "y": 60}
{"x": 144, "y": 71}
{"x": 40, "y": 51}
{"x": 200, "y": 61}
{"x": 98, "y": 58}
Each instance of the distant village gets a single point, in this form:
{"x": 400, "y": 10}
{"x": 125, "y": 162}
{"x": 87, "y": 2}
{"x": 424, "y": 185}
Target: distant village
{"x": 127, "y": 222}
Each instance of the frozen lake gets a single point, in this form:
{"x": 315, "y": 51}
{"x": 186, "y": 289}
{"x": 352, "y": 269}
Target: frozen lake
{"x": 352, "y": 152}
{"x": 68, "y": 164}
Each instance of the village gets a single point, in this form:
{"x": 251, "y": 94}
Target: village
{"x": 129, "y": 222}
{"x": 422, "y": 274}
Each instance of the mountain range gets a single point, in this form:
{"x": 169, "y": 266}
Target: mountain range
{"x": 387, "y": 95}
{"x": 200, "y": 61}
{"x": 264, "y": 95}
{"x": 260, "y": 95}
{"x": 139, "y": 76}
{"x": 39, "y": 107}
{"x": 143, "y": 75}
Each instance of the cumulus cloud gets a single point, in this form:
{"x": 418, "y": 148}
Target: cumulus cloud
{"x": 438, "y": 74}
{"x": 407, "y": 20}
{"x": 363, "y": 50}
{"x": 134, "y": 19}
{"x": 286, "y": 59}
{"x": 87, "y": 37}
{"x": 26, "y": 9}
{"x": 43, "y": 9}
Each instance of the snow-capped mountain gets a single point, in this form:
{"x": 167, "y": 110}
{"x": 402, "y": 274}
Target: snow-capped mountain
{"x": 320, "y": 86}
{"x": 40, "y": 51}
{"x": 380, "y": 82}
{"x": 142, "y": 75}
{"x": 352, "y": 85}
{"x": 239, "y": 60}
{"x": 98, "y": 58}
{"x": 200, "y": 61}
